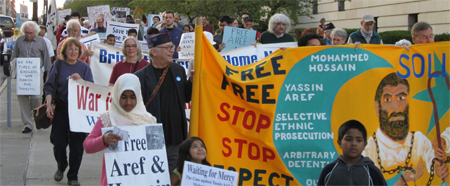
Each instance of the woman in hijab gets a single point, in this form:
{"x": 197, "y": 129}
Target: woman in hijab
{"x": 127, "y": 109}
{"x": 16, "y": 32}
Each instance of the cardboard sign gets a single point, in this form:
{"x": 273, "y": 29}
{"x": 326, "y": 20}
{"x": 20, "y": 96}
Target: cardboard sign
{"x": 120, "y": 30}
{"x": 93, "y": 11}
{"x": 140, "y": 160}
{"x": 119, "y": 14}
{"x": 86, "y": 102}
{"x": 62, "y": 14}
{"x": 28, "y": 76}
{"x": 202, "y": 175}
{"x": 237, "y": 37}
{"x": 187, "y": 44}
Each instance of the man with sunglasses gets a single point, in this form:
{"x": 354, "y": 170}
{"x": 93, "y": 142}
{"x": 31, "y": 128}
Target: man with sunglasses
{"x": 165, "y": 90}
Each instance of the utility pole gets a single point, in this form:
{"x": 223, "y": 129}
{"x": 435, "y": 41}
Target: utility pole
{"x": 35, "y": 11}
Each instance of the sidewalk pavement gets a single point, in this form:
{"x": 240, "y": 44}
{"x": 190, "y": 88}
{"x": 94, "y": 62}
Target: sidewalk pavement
{"x": 27, "y": 159}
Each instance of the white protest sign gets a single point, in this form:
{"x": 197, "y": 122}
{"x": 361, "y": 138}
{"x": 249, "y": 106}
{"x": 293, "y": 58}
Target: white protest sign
{"x": 118, "y": 14}
{"x": 141, "y": 160}
{"x": 187, "y": 44}
{"x": 86, "y": 102}
{"x": 237, "y": 37}
{"x": 87, "y": 40}
{"x": 250, "y": 54}
{"x": 93, "y": 11}
{"x": 103, "y": 61}
{"x": 202, "y": 175}
{"x": 62, "y": 14}
{"x": 28, "y": 76}
{"x": 120, "y": 30}
{"x": 23, "y": 12}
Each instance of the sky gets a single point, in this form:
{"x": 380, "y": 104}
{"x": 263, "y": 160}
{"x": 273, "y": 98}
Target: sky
{"x": 59, "y": 3}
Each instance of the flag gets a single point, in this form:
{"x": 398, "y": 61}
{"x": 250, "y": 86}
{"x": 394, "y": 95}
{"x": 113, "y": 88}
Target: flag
{"x": 52, "y": 23}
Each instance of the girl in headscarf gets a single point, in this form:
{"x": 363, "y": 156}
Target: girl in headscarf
{"x": 127, "y": 109}
{"x": 16, "y": 32}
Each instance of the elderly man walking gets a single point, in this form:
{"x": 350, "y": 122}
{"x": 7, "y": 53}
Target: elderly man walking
{"x": 30, "y": 46}
{"x": 279, "y": 25}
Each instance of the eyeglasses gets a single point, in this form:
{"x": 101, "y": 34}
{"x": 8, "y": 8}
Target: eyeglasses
{"x": 168, "y": 48}
{"x": 424, "y": 37}
{"x": 72, "y": 50}
{"x": 130, "y": 46}
{"x": 76, "y": 31}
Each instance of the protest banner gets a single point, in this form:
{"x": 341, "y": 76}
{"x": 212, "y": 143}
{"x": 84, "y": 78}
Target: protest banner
{"x": 23, "y": 12}
{"x": 92, "y": 38}
{"x": 9, "y": 43}
{"x": 52, "y": 23}
{"x": 277, "y": 119}
{"x": 120, "y": 30}
{"x": 202, "y": 175}
{"x": 139, "y": 160}
{"x": 237, "y": 37}
{"x": 118, "y": 14}
{"x": 28, "y": 76}
{"x": 62, "y": 14}
{"x": 93, "y": 11}
{"x": 86, "y": 102}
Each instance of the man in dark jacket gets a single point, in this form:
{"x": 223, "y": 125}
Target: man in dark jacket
{"x": 168, "y": 102}
{"x": 365, "y": 34}
{"x": 174, "y": 32}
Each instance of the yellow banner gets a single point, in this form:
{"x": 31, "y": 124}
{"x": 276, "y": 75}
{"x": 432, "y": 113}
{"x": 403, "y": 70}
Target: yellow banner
{"x": 276, "y": 121}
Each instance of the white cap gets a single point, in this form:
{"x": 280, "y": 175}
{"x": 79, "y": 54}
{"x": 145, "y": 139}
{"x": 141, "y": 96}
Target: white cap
{"x": 368, "y": 18}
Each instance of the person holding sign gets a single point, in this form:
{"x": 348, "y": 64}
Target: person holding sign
{"x": 61, "y": 136}
{"x": 133, "y": 61}
{"x": 165, "y": 90}
{"x": 127, "y": 109}
{"x": 192, "y": 149}
{"x": 29, "y": 46}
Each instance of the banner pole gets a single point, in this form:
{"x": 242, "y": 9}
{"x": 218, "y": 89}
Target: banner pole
{"x": 194, "y": 123}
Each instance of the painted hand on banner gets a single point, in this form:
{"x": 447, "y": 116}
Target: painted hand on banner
{"x": 441, "y": 170}
{"x": 111, "y": 139}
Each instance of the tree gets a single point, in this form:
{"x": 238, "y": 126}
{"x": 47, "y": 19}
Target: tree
{"x": 260, "y": 10}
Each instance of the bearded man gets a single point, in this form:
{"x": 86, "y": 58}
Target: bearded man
{"x": 393, "y": 146}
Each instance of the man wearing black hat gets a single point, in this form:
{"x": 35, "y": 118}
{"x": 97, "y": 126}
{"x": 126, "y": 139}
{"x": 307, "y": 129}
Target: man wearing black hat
{"x": 328, "y": 28}
{"x": 165, "y": 90}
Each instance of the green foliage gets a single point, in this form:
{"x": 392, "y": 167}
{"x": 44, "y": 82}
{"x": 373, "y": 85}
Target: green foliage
{"x": 391, "y": 37}
{"x": 350, "y": 30}
{"x": 442, "y": 37}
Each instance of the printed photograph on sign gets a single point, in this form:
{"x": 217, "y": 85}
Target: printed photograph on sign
{"x": 155, "y": 137}
{"x": 132, "y": 162}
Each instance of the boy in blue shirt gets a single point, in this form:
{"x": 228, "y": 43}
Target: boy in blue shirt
{"x": 351, "y": 168}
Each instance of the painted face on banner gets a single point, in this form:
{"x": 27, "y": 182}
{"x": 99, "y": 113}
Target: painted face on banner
{"x": 393, "y": 111}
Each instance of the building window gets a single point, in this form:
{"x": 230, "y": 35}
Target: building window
{"x": 412, "y": 19}
{"x": 341, "y": 5}
{"x": 315, "y": 7}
